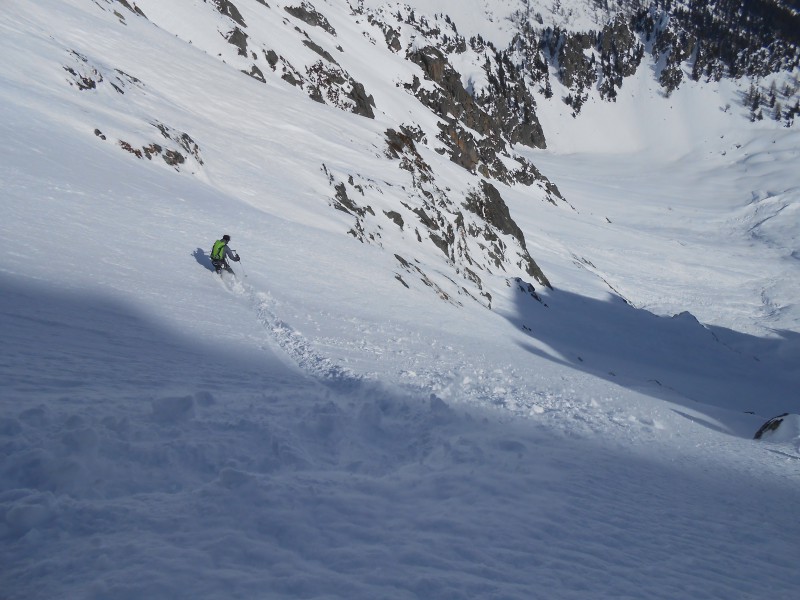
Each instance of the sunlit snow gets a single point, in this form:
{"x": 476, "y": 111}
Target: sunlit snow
{"x": 312, "y": 428}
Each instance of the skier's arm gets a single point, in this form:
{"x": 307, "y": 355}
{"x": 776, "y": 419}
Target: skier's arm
{"x": 231, "y": 254}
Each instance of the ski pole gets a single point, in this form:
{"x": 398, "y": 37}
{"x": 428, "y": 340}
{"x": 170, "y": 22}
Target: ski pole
{"x": 242, "y": 266}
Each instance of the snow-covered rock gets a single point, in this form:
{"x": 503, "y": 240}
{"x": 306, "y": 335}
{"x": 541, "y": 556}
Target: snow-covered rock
{"x": 783, "y": 428}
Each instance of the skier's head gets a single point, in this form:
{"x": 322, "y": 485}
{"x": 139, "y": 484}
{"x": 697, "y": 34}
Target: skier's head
{"x": 226, "y": 237}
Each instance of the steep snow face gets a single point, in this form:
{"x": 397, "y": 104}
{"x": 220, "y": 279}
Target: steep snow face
{"x": 347, "y": 417}
{"x": 702, "y": 220}
{"x": 276, "y": 156}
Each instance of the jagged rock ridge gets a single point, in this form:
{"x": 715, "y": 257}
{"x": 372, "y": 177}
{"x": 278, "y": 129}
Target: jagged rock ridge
{"x": 481, "y": 117}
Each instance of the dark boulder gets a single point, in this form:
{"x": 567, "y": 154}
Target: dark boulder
{"x": 785, "y": 427}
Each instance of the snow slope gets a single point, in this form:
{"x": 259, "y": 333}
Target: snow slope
{"x": 313, "y": 428}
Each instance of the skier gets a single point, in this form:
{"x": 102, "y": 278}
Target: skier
{"x": 219, "y": 252}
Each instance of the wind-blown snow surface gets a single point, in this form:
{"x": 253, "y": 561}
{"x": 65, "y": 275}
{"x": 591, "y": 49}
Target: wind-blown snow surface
{"x": 313, "y": 429}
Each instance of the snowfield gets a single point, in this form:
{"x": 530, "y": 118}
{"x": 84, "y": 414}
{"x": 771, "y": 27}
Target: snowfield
{"x": 314, "y": 428}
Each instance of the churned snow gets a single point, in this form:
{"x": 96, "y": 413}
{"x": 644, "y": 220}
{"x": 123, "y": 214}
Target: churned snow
{"x": 313, "y": 428}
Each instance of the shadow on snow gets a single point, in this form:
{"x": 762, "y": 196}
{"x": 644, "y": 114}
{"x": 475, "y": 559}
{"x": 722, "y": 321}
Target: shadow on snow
{"x": 65, "y": 341}
{"x": 292, "y": 473}
{"x": 203, "y": 259}
{"x": 703, "y": 368}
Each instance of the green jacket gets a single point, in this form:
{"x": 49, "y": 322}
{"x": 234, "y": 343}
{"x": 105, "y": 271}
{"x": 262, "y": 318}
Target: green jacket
{"x": 220, "y": 250}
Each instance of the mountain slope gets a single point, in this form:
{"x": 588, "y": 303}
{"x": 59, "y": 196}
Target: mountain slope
{"x": 413, "y": 388}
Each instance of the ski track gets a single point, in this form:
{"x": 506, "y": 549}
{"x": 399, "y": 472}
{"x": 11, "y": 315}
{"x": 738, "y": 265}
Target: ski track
{"x": 455, "y": 379}
{"x": 289, "y": 341}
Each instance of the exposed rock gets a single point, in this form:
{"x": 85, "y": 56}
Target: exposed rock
{"x": 287, "y": 72}
{"x": 317, "y": 49}
{"x": 391, "y": 35}
{"x": 272, "y": 58}
{"x": 783, "y": 428}
{"x": 182, "y": 139}
{"x": 291, "y": 78}
{"x": 529, "y": 175}
{"x": 463, "y": 147}
{"x": 493, "y": 209}
{"x": 256, "y": 73}
{"x": 485, "y": 238}
{"x": 425, "y": 279}
{"x": 524, "y": 287}
{"x": 489, "y": 114}
{"x": 238, "y": 38}
{"x": 308, "y": 14}
{"x": 173, "y": 157}
{"x": 333, "y": 85}
{"x": 396, "y": 217}
{"x": 363, "y": 103}
{"x": 128, "y": 148}
{"x": 83, "y": 82}
{"x": 400, "y": 145}
{"x": 227, "y": 8}
{"x": 88, "y": 76}
{"x": 344, "y": 203}
{"x": 134, "y": 9}
{"x": 489, "y": 205}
